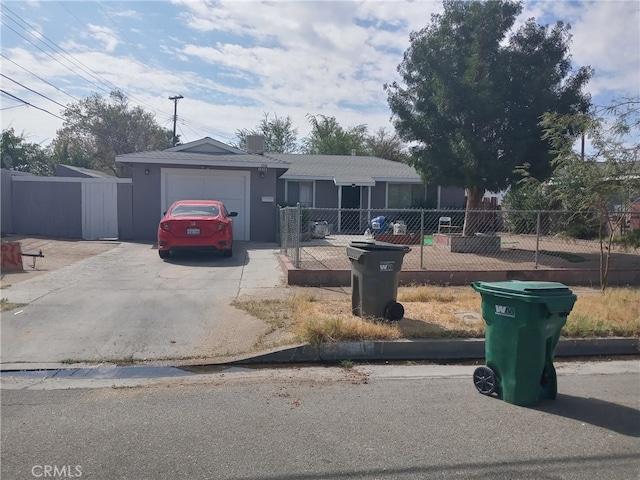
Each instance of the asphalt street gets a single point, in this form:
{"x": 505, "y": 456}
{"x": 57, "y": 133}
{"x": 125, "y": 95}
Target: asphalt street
{"x": 127, "y": 304}
{"x": 374, "y": 422}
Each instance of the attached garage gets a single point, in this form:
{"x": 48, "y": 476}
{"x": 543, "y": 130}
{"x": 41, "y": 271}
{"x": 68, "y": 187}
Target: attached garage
{"x": 205, "y": 170}
{"x": 231, "y": 187}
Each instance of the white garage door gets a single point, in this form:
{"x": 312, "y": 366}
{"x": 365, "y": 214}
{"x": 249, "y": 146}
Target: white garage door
{"x": 229, "y": 186}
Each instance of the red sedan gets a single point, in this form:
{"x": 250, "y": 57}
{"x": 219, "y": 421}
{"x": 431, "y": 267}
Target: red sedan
{"x": 196, "y": 225}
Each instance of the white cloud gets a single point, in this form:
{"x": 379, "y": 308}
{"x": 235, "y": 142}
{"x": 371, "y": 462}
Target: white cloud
{"x": 36, "y": 31}
{"x": 105, "y": 35}
{"x": 606, "y": 36}
{"x": 322, "y": 58}
{"x": 233, "y": 61}
{"x": 125, "y": 13}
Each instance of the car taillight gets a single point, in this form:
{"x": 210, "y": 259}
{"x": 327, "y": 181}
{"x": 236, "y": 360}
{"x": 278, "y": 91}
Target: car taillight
{"x": 165, "y": 226}
{"x": 222, "y": 226}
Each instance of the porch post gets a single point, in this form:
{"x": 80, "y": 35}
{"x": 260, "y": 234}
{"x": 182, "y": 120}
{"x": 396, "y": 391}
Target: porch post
{"x": 340, "y": 208}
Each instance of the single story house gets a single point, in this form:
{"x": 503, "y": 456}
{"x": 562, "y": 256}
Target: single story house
{"x": 253, "y": 183}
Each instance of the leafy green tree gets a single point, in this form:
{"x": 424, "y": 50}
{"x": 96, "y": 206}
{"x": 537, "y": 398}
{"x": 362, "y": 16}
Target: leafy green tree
{"x": 18, "y": 154}
{"x": 602, "y": 181}
{"x": 328, "y": 137}
{"x": 279, "y": 135}
{"x": 523, "y": 203}
{"x": 98, "y": 129}
{"x": 388, "y": 145}
{"x": 471, "y": 96}
{"x": 62, "y": 152}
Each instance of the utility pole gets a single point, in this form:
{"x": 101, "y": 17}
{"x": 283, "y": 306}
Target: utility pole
{"x": 175, "y": 117}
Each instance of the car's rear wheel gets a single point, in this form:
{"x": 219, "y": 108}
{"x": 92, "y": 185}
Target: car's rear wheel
{"x": 164, "y": 253}
{"x": 227, "y": 253}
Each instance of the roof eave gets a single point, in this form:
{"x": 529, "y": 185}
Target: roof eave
{"x": 201, "y": 162}
{"x": 307, "y": 178}
{"x": 357, "y": 183}
{"x": 398, "y": 179}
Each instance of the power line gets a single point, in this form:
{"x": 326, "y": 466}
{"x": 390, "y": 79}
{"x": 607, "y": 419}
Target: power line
{"x": 31, "y": 90}
{"x": 112, "y": 22}
{"x": 31, "y": 105}
{"x": 13, "y": 106}
{"x": 129, "y": 96}
{"x": 53, "y": 46}
{"x": 187, "y": 126}
{"x": 38, "y": 77}
{"x": 184, "y": 137}
{"x": 207, "y": 128}
{"x": 52, "y": 57}
{"x": 77, "y": 63}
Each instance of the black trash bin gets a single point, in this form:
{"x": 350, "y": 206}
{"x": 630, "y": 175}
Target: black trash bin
{"x": 374, "y": 279}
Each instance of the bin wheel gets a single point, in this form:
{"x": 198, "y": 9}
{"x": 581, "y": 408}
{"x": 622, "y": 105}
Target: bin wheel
{"x": 394, "y": 311}
{"x": 485, "y": 380}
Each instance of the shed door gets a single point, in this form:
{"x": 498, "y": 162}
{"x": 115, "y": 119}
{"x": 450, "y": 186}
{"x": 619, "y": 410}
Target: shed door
{"x": 99, "y": 209}
{"x": 231, "y": 187}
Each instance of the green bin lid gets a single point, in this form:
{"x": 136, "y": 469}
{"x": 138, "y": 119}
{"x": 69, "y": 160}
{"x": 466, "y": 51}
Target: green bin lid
{"x": 523, "y": 288}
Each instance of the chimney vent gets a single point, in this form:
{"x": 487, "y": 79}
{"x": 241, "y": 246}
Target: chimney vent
{"x": 353, "y": 152}
{"x": 255, "y": 144}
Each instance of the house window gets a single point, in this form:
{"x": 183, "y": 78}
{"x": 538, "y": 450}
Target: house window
{"x": 300, "y": 192}
{"x": 405, "y": 195}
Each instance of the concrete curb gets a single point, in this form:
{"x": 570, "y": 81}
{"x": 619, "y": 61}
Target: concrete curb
{"x": 453, "y": 349}
{"x": 569, "y": 276}
{"x": 430, "y": 349}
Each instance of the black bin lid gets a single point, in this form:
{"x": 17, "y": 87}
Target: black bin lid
{"x": 378, "y": 246}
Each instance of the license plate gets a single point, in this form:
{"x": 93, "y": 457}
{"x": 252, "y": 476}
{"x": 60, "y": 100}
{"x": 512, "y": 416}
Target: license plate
{"x": 193, "y": 231}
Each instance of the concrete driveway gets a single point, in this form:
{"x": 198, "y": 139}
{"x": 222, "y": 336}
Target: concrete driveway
{"x": 126, "y": 304}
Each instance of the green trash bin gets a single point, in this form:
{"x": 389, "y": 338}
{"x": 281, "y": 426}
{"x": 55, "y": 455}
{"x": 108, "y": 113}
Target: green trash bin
{"x": 523, "y": 325}
{"x": 375, "y": 267}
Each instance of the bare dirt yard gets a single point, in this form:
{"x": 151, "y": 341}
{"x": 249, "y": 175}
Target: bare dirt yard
{"x": 57, "y": 253}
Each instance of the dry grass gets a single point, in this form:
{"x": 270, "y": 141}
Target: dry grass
{"x": 314, "y": 321}
{"x": 614, "y": 313}
{"x": 317, "y": 321}
{"x": 434, "y": 312}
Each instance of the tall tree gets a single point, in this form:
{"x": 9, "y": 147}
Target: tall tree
{"x": 328, "y": 137}
{"x": 388, "y": 145}
{"x": 596, "y": 183}
{"x": 103, "y": 128}
{"x": 279, "y": 135}
{"x": 18, "y": 154}
{"x": 471, "y": 100}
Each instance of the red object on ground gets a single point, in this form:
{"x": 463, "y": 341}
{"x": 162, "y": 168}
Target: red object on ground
{"x": 196, "y": 225}
{"x": 11, "y": 257}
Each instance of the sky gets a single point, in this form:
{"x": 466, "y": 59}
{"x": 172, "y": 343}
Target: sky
{"x": 233, "y": 61}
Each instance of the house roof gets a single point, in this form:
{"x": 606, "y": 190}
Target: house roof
{"x": 341, "y": 169}
{"x": 206, "y": 141}
{"x": 166, "y": 157}
{"x": 88, "y": 172}
{"x": 346, "y": 169}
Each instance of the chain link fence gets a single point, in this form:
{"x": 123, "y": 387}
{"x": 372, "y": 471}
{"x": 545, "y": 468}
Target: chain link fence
{"x": 314, "y": 238}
